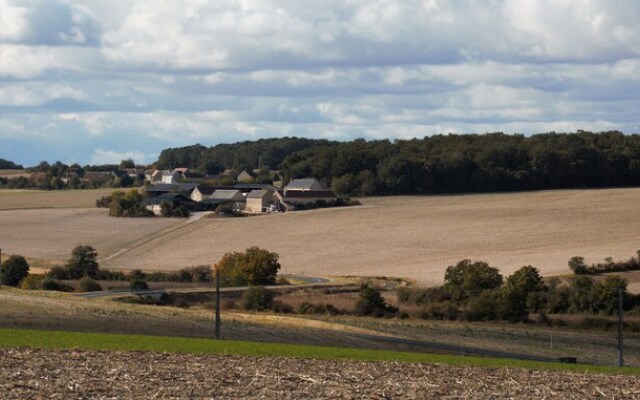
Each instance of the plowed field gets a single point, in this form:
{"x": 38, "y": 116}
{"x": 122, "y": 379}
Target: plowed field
{"x": 35, "y": 374}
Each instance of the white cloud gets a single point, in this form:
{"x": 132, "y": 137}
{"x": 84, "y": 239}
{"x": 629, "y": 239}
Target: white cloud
{"x": 101, "y": 156}
{"x": 104, "y": 74}
{"x": 50, "y": 22}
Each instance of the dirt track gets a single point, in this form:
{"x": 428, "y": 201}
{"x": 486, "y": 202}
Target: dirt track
{"x": 39, "y": 374}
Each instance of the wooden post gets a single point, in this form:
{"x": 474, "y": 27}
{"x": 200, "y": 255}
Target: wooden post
{"x": 620, "y": 326}
{"x": 217, "y": 304}
{"x": 0, "y": 267}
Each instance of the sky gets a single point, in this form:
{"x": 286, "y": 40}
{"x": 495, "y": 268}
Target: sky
{"x": 97, "y": 81}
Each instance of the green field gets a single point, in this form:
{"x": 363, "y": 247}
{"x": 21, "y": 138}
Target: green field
{"x": 120, "y": 342}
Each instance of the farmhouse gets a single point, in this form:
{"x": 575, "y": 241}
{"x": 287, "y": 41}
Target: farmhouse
{"x": 169, "y": 177}
{"x": 303, "y": 185}
{"x": 154, "y": 204}
{"x": 232, "y": 197}
{"x": 259, "y": 201}
{"x": 292, "y": 199}
{"x": 249, "y": 187}
{"x": 134, "y": 172}
{"x": 162, "y": 188}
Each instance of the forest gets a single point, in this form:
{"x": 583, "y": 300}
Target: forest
{"x": 452, "y": 163}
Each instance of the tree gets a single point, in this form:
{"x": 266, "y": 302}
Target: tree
{"x": 577, "y": 265}
{"x": 83, "y": 262}
{"x": 371, "y": 302}
{"x": 255, "y": 266}
{"x": 468, "y": 279}
{"x": 606, "y": 294}
{"x": 260, "y": 266}
{"x": 581, "y": 294}
{"x": 519, "y": 286}
{"x": 128, "y": 163}
{"x": 14, "y": 270}
{"x": 257, "y": 298}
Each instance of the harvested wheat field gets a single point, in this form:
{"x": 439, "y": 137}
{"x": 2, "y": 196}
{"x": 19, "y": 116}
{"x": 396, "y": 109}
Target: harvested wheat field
{"x": 51, "y": 234}
{"x": 12, "y": 199}
{"x": 413, "y": 237}
{"x": 26, "y": 373}
{"x": 416, "y": 237}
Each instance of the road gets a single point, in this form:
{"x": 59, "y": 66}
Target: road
{"x": 307, "y": 281}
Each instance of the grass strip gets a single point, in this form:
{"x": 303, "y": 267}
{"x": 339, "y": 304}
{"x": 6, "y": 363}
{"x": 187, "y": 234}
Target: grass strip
{"x": 41, "y": 339}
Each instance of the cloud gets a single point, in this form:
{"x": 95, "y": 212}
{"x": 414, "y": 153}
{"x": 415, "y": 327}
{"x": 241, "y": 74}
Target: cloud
{"x": 101, "y": 156}
{"x": 47, "y": 22}
{"x": 98, "y": 74}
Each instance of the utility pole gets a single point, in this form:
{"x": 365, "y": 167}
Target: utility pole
{"x": 0, "y": 267}
{"x": 620, "y": 326}
{"x": 217, "y": 304}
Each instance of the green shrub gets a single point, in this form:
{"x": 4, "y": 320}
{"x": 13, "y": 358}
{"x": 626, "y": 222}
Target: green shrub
{"x": 577, "y": 265}
{"x": 58, "y": 272}
{"x": 483, "y": 307}
{"x": 467, "y": 279}
{"x": 136, "y": 274}
{"x": 87, "y": 284}
{"x": 13, "y": 270}
{"x": 257, "y": 298}
{"x": 31, "y": 282}
{"x": 320, "y": 308}
{"x": 423, "y": 296}
{"x": 281, "y": 308}
{"x": 106, "y": 275}
{"x": 371, "y": 302}
{"x": 282, "y": 281}
{"x": 440, "y": 311}
{"x": 50, "y": 284}
{"x": 138, "y": 284}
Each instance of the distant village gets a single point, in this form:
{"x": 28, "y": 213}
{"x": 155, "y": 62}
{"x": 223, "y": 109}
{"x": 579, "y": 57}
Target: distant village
{"x": 173, "y": 187}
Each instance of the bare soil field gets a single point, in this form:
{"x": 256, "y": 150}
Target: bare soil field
{"x": 413, "y": 237}
{"x": 416, "y": 237}
{"x": 50, "y": 234}
{"x": 27, "y": 373}
{"x": 14, "y": 173}
{"x": 12, "y": 199}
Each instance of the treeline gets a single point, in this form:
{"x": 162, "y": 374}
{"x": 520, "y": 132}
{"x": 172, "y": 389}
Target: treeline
{"x": 475, "y": 291}
{"x": 438, "y": 164}
{"x": 579, "y": 267}
{"x": 269, "y": 153}
{"x": 62, "y": 176}
{"x": 6, "y": 164}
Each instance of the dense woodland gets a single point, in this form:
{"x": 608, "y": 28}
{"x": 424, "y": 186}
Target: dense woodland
{"x": 491, "y": 162}
{"x": 437, "y": 164}
{"x": 6, "y": 164}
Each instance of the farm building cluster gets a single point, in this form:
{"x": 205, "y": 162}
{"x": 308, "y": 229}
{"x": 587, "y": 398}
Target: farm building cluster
{"x": 248, "y": 198}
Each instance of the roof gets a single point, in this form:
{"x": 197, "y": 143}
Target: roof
{"x": 180, "y": 170}
{"x": 253, "y": 186}
{"x": 225, "y": 194}
{"x": 258, "y": 194}
{"x": 299, "y": 194}
{"x": 170, "y": 187}
{"x": 97, "y": 174}
{"x": 168, "y": 197}
{"x": 208, "y": 190}
{"x": 216, "y": 201}
{"x": 302, "y": 184}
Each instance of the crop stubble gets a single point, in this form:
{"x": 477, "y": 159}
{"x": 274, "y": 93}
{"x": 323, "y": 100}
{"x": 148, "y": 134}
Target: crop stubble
{"x": 28, "y": 373}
